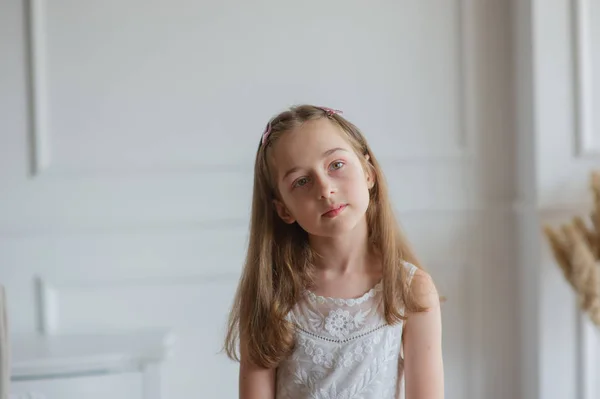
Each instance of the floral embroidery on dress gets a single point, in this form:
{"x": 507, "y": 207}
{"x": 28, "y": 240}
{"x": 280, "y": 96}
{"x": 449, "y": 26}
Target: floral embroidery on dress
{"x": 318, "y": 355}
{"x": 315, "y": 320}
{"x": 318, "y": 299}
{"x": 327, "y": 358}
{"x": 381, "y": 370}
{"x": 344, "y": 350}
{"x": 339, "y": 323}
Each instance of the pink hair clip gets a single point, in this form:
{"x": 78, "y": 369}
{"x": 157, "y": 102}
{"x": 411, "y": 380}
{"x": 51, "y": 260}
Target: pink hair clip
{"x": 265, "y": 135}
{"x": 330, "y": 111}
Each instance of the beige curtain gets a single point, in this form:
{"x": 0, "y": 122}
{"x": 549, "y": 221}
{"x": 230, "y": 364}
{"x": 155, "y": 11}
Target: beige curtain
{"x": 4, "y": 347}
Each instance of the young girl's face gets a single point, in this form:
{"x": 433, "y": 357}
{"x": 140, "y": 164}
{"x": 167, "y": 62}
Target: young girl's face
{"x": 321, "y": 181}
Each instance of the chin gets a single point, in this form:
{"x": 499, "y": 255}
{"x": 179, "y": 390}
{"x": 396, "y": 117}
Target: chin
{"x": 335, "y": 227}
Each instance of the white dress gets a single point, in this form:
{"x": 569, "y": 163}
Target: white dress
{"x": 344, "y": 350}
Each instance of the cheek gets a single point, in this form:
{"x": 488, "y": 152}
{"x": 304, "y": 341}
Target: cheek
{"x": 295, "y": 202}
{"x": 356, "y": 178}
{"x": 358, "y": 187}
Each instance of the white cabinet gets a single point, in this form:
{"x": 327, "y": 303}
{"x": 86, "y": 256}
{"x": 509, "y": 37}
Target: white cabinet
{"x": 90, "y": 366}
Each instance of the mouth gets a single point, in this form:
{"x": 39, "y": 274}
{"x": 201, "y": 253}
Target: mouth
{"x": 334, "y": 211}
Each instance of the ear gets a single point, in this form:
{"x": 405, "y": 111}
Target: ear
{"x": 283, "y": 212}
{"x": 369, "y": 173}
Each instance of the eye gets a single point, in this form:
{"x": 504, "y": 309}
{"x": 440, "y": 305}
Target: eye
{"x": 300, "y": 182}
{"x": 336, "y": 165}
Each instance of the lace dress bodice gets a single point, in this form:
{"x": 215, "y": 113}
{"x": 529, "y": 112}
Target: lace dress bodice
{"x": 344, "y": 350}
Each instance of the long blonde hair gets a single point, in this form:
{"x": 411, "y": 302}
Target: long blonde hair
{"x": 278, "y": 266}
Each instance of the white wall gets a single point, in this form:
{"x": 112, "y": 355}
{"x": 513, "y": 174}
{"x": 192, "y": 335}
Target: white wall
{"x": 127, "y": 132}
{"x": 558, "y": 47}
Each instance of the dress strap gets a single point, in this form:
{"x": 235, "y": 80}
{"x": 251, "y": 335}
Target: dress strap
{"x": 411, "y": 270}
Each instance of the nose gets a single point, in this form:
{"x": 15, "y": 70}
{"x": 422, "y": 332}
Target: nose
{"x": 324, "y": 187}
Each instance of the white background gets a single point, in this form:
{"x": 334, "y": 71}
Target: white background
{"x": 128, "y": 130}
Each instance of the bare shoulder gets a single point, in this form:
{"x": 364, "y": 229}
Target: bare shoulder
{"x": 424, "y": 289}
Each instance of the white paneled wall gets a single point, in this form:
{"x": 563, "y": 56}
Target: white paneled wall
{"x": 558, "y": 49}
{"x": 128, "y": 130}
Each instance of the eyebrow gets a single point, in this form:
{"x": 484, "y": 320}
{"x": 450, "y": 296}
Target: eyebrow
{"x": 325, "y": 154}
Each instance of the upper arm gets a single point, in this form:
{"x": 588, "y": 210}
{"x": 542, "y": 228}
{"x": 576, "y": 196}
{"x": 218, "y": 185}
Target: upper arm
{"x": 255, "y": 382}
{"x": 423, "y": 365}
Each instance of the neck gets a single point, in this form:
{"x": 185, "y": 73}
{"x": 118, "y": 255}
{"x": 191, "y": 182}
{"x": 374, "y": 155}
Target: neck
{"x": 343, "y": 254}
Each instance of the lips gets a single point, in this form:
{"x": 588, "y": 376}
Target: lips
{"x": 335, "y": 210}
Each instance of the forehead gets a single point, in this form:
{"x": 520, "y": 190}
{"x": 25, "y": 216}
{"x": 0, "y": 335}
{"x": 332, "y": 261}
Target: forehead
{"x": 306, "y": 144}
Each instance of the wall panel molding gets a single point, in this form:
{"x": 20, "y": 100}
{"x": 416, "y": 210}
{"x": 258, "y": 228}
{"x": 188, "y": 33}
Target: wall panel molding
{"x": 589, "y": 357}
{"x": 40, "y": 140}
{"x": 44, "y": 160}
{"x": 83, "y": 305}
{"x": 467, "y": 69}
{"x": 588, "y": 142}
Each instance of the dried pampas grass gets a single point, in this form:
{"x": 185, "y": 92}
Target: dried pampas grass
{"x": 576, "y": 248}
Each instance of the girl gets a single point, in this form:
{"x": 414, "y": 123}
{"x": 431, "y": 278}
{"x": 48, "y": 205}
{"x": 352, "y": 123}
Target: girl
{"x": 331, "y": 302}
